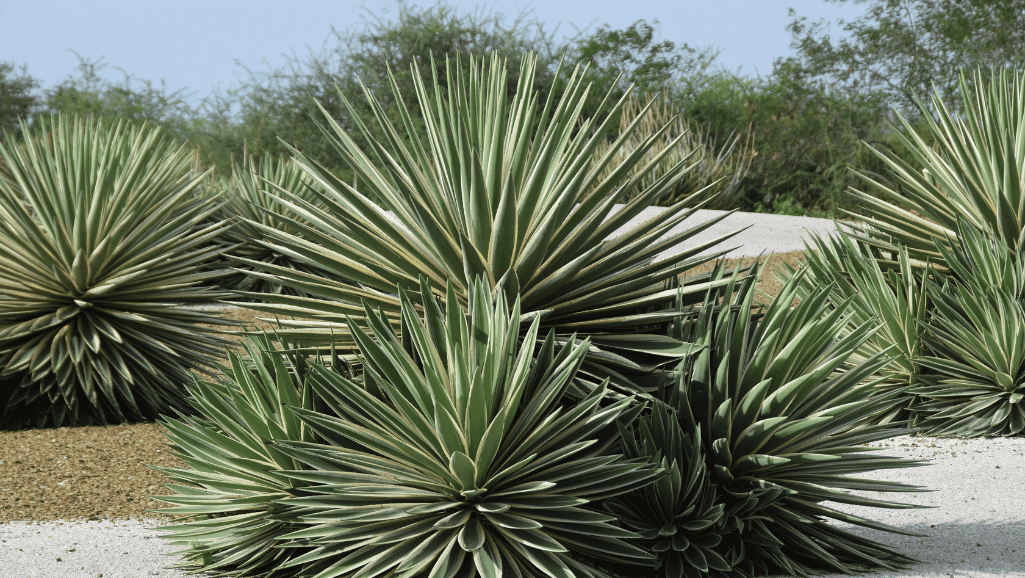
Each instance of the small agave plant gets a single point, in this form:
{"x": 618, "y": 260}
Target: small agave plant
{"x": 679, "y": 517}
{"x": 228, "y": 498}
{"x": 976, "y": 343}
{"x": 455, "y": 453}
{"x": 99, "y": 251}
{"x": 781, "y": 432}
{"x": 716, "y": 174}
{"x": 254, "y": 196}
{"x": 892, "y": 292}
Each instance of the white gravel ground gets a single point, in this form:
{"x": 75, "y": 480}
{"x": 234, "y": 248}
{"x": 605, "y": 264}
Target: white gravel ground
{"x": 974, "y": 528}
{"x": 107, "y": 549}
{"x": 974, "y": 525}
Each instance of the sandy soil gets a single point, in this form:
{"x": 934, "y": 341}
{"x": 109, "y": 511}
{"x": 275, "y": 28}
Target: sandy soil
{"x": 101, "y": 472}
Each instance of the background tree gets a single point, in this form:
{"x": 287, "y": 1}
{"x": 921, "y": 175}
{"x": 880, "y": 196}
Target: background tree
{"x": 804, "y": 133}
{"x": 635, "y": 56}
{"x": 902, "y": 48}
{"x": 87, "y": 92}
{"x": 281, "y": 102}
{"x": 803, "y": 122}
{"x": 18, "y": 99}
{"x": 632, "y": 54}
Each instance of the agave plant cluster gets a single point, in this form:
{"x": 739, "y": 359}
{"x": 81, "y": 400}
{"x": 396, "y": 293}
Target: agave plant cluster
{"x": 974, "y": 171}
{"x": 513, "y": 382}
{"x": 941, "y": 266}
{"x": 99, "y": 251}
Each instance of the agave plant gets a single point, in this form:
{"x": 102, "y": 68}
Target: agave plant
{"x": 975, "y": 171}
{"x": 230, "y": 493}
{"x": 98, "y": 254}
{"x": 976, "y": 342}
{"x": 715, "y": 174}
{"x": 782, "y": 431}
{"x": 502, "y": 190}
{"x": 896, "y": 298}
{"x": 254, "y": 196}
{"x": 453, "y": 455}
{"x": 679, "y": 517}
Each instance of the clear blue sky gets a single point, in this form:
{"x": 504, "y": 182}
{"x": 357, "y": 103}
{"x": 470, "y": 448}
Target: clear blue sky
{"x": 195, "y": 44}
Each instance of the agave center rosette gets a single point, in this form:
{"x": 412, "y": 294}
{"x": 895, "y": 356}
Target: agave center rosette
{"x": 506, "y": 190}
{"x": 99, "y": 250}
{"x": 678, "y": 517}
{"x": 457, "y": 454}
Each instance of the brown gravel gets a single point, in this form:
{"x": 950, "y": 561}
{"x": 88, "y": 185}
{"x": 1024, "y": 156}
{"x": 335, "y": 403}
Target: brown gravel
{"x": 768, "y": 283}
{"x": 85, "y": 472}
{"x": 100, "y": 472}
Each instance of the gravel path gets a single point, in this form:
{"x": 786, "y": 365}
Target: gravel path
{"x": 974, "y": 523}
{"x": 761, "y": 233}
{"x": 105, "y": 549}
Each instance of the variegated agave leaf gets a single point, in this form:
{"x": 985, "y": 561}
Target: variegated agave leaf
{"x": 893, "y": 296}
{"x": 457, "y": 455}
{"x": 781, "y": 429}
{"x": 99, "y": 251}
{"x": 975, "y": 171}
{"x": 253, "y": 196}
{"x": 230, "y": 493}
{"x": 502, "y": 189}
{"x": 976, "y": 342}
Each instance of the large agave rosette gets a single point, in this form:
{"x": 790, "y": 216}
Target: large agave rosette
{"x": 100, "y": 257}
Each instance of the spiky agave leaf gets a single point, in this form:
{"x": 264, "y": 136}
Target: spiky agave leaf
{"x": 782, "y": 431}
{"x": 505, "y": 190}
{"x": 457, "y": 454}
{"x": 975, "y": 171}
{"x": 98, "y": 254}
{"x": 895, "y": 297}
{"x": 976, "y": 341}
{"x": 678, "y": 517}
{"x": 253, "y": 196}
{"x": 229, "y": 494}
